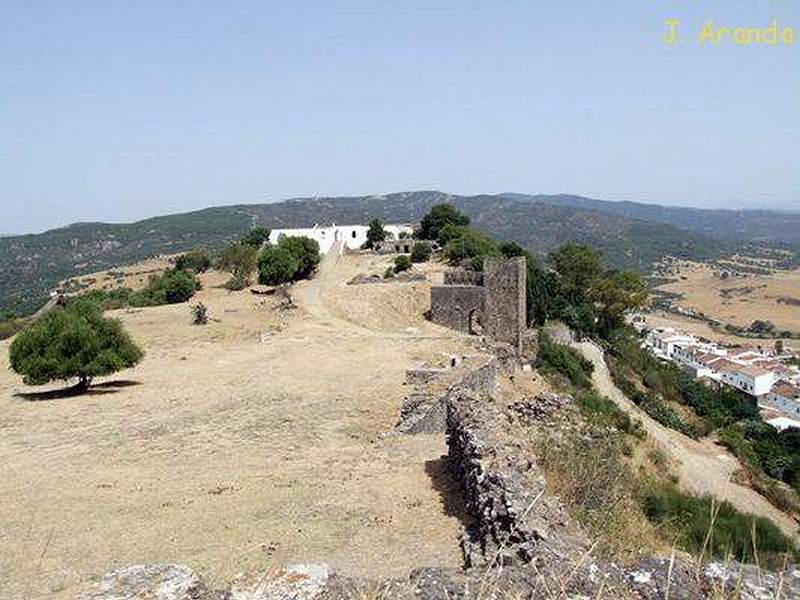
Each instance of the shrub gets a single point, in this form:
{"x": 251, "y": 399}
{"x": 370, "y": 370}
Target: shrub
{"x": 389, "y": 272}
{"x": 599, "y": 410}
{"x": 73, "y": 342}
{"x": 717, "y": 528}
{"x": 421, "y": 252}
{"x": 194, "y": 260}
{"x": 238, "y": 259}
{"x": 256, "y": 237}
{"x": 402, "y": 263}
{"x": 277, "y": 265}
{"x": 557, "y": 359}
{"x": 171, "y": 287}
{"x": 306, "y": 252}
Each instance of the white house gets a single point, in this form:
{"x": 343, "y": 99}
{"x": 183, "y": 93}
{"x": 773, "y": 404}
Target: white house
{"x": 352, "y": 236}
{"x": 784, "y": 397}
{"x": 663, "y": 342}
{"x": 747, "y": 378}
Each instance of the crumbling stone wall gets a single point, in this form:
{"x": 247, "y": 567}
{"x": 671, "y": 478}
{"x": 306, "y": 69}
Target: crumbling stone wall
{"x": 424, "y": 410}
{"x": 463, "y": 277}
{"x": 453, "y": 305}
{"x": 505, "y": 315}
{"x": 496, "y": 299}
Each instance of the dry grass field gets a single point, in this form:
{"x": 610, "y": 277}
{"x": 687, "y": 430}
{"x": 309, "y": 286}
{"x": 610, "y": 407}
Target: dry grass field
{"x": 739, "y": 300}
{"x": 259, "y": 439}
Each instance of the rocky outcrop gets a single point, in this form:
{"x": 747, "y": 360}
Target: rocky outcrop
{"x": 149, "y": 582}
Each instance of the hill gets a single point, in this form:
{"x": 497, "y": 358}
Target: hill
{"x": 749, "y": 225}
{"x": 31, "y": 265}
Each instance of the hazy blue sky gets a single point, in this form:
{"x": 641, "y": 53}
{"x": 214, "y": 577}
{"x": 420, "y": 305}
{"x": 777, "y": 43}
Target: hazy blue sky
{"x": 121, "y": 110}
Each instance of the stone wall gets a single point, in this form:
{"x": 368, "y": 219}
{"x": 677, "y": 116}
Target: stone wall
{"x": 424, "y": 410}
{"x": 463, "y": 277}
{"x": 505, "y": 318}
{"x": 452, "y": 305}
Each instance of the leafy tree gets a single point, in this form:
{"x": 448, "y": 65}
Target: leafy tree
{"x": 239, "y": 259}
{"x": 402, "y": 263}
{"x": 194, "y": 260}
{"x": 471, "y": 244}
{"x": 421, "y": 252}
{"x": 617, "y": 293}
{"x": 578, "y": 268}
{"x": 376, "y": 233}
{"x": 306, "y": 252}
{"x": 277, "y": 265}
{"x": 439, "y": 216}
{"x": 73, "y": 342}
{"x": 257, "y": 236}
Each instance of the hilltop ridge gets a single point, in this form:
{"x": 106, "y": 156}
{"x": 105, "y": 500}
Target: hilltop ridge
{"x": 629, "y": 234}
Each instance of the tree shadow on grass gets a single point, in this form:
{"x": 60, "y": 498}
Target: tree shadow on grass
{"x": 98, "y": 389}
{"x": 449, "y": 489}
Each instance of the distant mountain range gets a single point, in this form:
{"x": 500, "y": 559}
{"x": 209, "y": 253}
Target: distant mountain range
{"x": 630, "y": 234}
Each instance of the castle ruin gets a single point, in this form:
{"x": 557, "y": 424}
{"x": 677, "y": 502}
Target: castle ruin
{"x": 491, "y": 303}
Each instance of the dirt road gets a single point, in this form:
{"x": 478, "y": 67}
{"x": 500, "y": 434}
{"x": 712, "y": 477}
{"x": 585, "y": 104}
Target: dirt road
{"x": 702, "y": 467}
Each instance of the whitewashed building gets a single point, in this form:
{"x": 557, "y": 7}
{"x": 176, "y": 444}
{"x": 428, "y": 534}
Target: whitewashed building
{"x": 747, "y": 378}
{"x": 352, "y": 236}
{"x": 784, "y": 397}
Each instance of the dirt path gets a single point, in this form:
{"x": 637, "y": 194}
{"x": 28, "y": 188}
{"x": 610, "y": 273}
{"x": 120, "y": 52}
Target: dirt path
{"x": 702, "y": 466}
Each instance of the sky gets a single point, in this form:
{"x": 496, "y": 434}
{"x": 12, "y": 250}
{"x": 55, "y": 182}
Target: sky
{"x": 117, "y": 111}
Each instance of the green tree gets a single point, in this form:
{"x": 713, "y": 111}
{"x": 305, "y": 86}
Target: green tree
{"x": 578, "y": 268}
{"x": 376, "y": 233}
{"x": 256, "y": 236}
{"x": 238, "y": 259}
{"x": 421, "y": 252}
{"x": 277, "y": 265}
{"x": 73, "y": 342}
{"x": 306, "y": 252}
{"x": 471, "y": 244}
{"x": 194, "y": 260}
{"x": 439, "y": 216}
{"x": 616, "y": 293}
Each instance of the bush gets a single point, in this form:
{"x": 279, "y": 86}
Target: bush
{"x": 256, "y": 237}
{"x": 194, "y": 260}
{"x": 402, "y": 263}
{"x": 599, "y": 410}
{"x": 388, "y": 273}
{"x": 277, "y": 265}
{"x": 238, "y": 259}
{"x": 421, "y": 252}
{"x": 171, "y": 287}
{"x": 556, "y": 359}
{"x": 72, "y": 342}
{"x": 729, "y": 533}
{"x": 306, "y": 252}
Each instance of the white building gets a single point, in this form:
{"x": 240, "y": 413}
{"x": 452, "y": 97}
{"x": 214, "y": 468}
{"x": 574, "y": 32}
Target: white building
{"x": 352, "y": 236}
{"x": 784, "y": 397}
{"x": 663, "y": 342}
{"x": 747, "y": 378}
